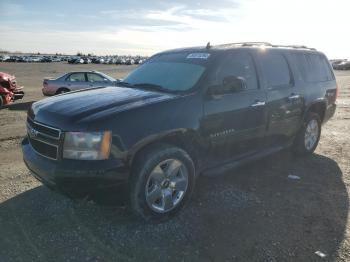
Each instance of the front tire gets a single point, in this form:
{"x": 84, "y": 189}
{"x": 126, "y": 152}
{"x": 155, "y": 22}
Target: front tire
{"x": 161, "y": 182}
{"x": 308, "y": 136}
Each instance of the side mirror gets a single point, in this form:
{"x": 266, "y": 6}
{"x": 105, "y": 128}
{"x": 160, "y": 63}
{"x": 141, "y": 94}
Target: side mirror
{"x": 230, "y": 84}
{"x": 234, "y": 84}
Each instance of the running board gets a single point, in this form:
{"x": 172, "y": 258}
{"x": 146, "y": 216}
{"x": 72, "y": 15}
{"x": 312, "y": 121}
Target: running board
{"x": 220, "y": 169}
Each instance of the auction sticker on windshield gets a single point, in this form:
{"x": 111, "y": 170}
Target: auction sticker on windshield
{"x": 198, "y": 55}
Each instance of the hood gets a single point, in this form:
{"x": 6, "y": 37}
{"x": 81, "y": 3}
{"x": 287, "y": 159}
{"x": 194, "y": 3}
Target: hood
{"x": 6, "y": 76}
{"x": 68, "y": 110}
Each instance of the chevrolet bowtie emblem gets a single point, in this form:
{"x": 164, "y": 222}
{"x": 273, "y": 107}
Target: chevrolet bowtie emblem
{"x": 32, "y": 132}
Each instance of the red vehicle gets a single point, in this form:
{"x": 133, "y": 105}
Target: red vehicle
{"x": 9, "y": 91}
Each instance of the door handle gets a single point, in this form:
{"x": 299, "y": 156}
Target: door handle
{"x": 293, "y": 97}
{"x": 258, "y": 103}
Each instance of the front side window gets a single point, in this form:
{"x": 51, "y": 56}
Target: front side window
{"x": 94, "y": 77}
{"x": 238, "y": 65}
{"x": 76, "y": 77}
{"x": 171, "y": 72}
{"x": 275, "y": 69}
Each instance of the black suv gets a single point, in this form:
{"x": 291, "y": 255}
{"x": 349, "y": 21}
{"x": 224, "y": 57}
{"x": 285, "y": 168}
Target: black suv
{"x": 182, "y": 113}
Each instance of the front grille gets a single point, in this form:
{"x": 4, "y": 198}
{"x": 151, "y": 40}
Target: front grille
{"x": 45, "y": 140}
{"x": 45, "y": 130}
{"x": 44, "y": 149}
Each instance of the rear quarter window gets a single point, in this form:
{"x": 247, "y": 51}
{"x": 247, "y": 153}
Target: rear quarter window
{"x": 313, "y": 67}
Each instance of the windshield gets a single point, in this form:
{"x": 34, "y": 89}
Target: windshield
{"x": 170, "y": 72}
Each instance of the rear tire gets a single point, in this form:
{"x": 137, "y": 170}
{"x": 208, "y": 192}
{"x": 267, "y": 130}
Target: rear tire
{"x": 162, "y": 180}
{"x": 308, "y": 136}
{"x": 62, "y": 91}
{"x": 1, "y": 101}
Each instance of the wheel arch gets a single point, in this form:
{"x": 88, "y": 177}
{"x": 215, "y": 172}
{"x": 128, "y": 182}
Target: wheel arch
{"x": 185, "y": 139}
{"x": 62, "y": 88}
{"x": 319, "y": 107}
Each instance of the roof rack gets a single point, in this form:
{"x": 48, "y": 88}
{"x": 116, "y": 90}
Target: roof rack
{"x": 248, "y": 43}
{"x": 295, "y": 46}
{"x": 268, "y": 44}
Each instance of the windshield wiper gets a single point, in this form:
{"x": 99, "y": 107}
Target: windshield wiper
{"x": 151, "y": 87}
{"x": 126, "y": 84}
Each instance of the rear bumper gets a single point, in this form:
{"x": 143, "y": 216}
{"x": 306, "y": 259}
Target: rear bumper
{"x": 74, "y": 177}
{"x": 47, "y": 91}
{"x": 330, "y": 111}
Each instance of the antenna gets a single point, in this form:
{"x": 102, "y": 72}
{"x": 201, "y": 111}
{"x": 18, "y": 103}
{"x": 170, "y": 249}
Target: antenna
{"x": 208, "y": 45}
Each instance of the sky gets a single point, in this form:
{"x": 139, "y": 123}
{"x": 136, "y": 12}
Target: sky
{"x": 106, "y": 27}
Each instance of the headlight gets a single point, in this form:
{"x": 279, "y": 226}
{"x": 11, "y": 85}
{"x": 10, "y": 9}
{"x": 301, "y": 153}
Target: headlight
{"x": 87, "y": 145}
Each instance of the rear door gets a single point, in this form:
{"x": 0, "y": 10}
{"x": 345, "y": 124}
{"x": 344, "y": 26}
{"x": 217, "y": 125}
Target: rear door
{"x": 284, "y": 100}
{"x": 76, "y": 81}
{"x": 234, "y": 122}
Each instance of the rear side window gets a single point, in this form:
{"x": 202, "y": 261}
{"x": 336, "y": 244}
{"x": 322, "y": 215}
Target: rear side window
{"x": 275, "y": 69}
{"x": 239, "y": 65}
{"x": 313, "y": 67}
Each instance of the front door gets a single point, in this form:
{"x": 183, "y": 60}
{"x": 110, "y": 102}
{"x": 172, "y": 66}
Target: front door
{"x": 234, "y": 121}
{"x": 96, "y": 80}
{"x": 76, "y": 81}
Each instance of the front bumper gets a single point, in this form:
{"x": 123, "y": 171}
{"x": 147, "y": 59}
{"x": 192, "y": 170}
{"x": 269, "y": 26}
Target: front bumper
{"x": 18, "y": 93}
{"x": 74, "y": 177}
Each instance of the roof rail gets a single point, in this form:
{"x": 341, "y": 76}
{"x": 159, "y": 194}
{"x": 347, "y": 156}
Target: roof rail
{"x": 268, "y": 44}
{"x": 249, "y": 43}
{"x": 295, "y": 46}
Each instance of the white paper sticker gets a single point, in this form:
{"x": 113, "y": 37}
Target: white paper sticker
{"x": 198, "y": 56}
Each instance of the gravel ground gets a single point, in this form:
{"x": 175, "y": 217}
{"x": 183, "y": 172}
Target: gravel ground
{"x": 254, "y": 213}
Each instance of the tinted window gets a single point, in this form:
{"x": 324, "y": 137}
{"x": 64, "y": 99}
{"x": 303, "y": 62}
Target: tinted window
{"x": 313, "y": 67}
{"x": 239, "y": 65}
{"x": 327, "y": 68}
{"x": 317, "y": 68}
{"x": 76, "y": 77}
{"x": 94, "y": 77}
{"x": 275, "y": 69}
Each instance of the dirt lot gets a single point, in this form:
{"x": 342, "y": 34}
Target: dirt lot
{"x": 254, "y": 213}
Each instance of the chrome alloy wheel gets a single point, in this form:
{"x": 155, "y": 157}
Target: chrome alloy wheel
{"x": 166, "y": 186}
{"x": 311, "y": 134}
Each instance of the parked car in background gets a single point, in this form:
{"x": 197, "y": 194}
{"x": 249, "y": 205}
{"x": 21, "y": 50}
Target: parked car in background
{"x": 344, "y": 65}
{"x": 75, "y": 60}
{"x": 75, "y": 81}
{"x": 86, "y": 60}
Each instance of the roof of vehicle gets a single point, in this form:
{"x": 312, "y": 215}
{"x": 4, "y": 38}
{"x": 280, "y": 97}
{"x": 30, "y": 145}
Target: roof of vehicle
{"x": 86, "y": 71}
{"x": 91, "y": 71}
{"x": 241, "y": 45}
